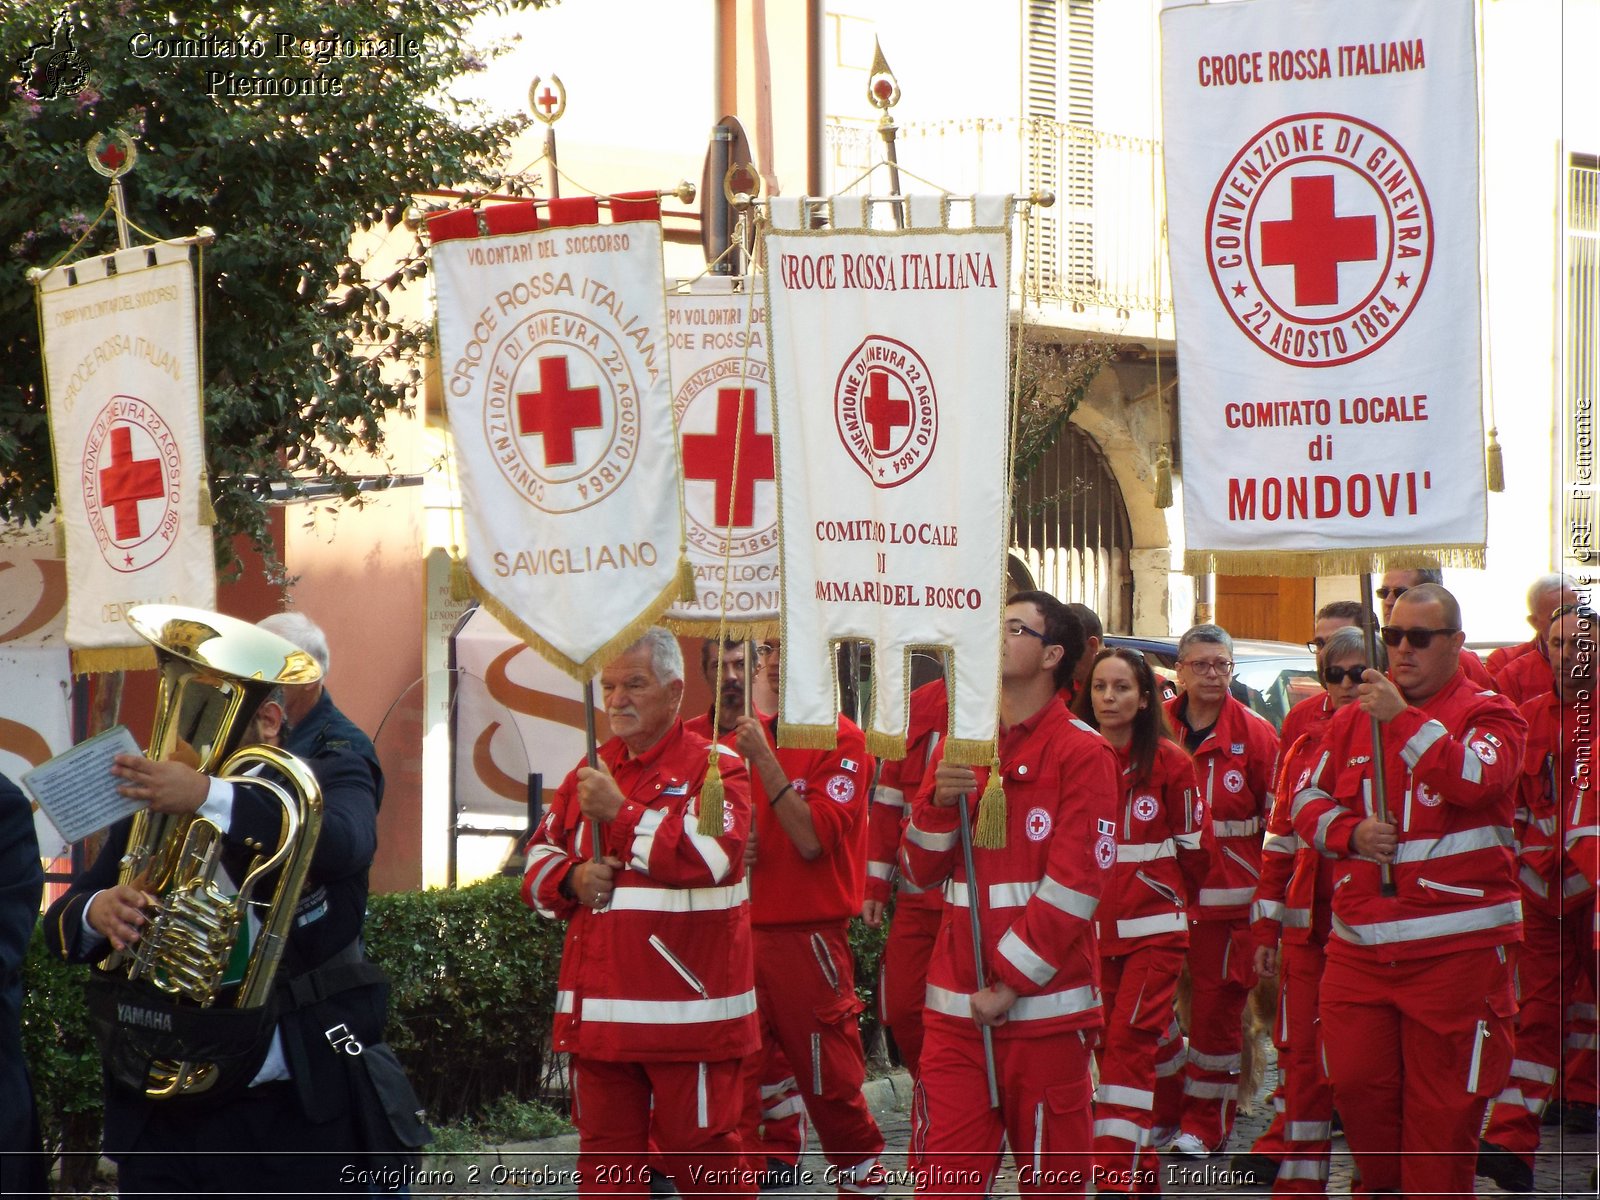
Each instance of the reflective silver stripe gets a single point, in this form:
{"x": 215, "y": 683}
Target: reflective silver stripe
{"x": 644, "y": 836}
{"x": 1136, "y": 927}
{"x": 1218, "y": 897}
{"x": 1530, "y": 879}
{"x": 1267, "y": 910}
{"x": 1186, "y": 841}
{"x": 1319, "y": 837}
{"x": 680, "y": 900}
{"x": 1575, "y": 885}
{"x": 999, "y": 895}
{"x": 1450, "y": 889}
{"x": 1477, "y": 1055}
{"x": 708, "y": 848}
{"x": 556, "y": 856}
{"x": 1073, "y": 903}
{"x": 1582, "y": 1011}
{"x": 1582, "y": 1041}
{"x": 769, "y": 1090}
{"x": 1307, "y": 1131}
{"x": 1297, "y": 918}
{"x": 1300, "y": 1168}
{"x": 1545, "y": 825}
{"x": 793, "y": 1106}
{"x": 1236, "y": 828}
{"x": 1210, "y": 1091}
{"x": 1215, "y": 1062}
{"x": 1024, "y": 958}
{"x": 1305, "y": 797}
{"x": 1150, "y": 851}
{"x": 1521, "y": 1068}
{"x": 1171, "y": 1067}
{"x": 889, "y": 797}
{"x": 1416, "y": 929}
{"x": 670, "y": 1012}
{"x": 1116, "y": 1127}
{"x": 1128, "y": 1097}
{"x": 701, "y": 1109}
{"x": 1471, "y": 766}
{"x": 883, "y": 871}
{"x": 1488, "y": 837}
{"x": 1280, "y": 843}
{"x": 563, "y": 1002}
{"x": 907, "y": 887}
{"x": 1413, "y": 750}
{"x": 1579, "y": 832}
{"x": 1027, "y": 1008}
{"x": 930, "y": 841}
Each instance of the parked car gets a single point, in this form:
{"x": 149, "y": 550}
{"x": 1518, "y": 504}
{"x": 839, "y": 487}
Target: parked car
{"x": 1271, "y": 677}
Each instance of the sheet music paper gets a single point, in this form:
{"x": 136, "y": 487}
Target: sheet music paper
{"x": 76, "y": 788}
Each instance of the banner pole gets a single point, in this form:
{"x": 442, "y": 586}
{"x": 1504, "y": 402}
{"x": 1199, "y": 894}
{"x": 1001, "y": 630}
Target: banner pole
{"x": 1380, "y": 799}
{"x": 592, "y": 752}
{"x": 977, "y": 945}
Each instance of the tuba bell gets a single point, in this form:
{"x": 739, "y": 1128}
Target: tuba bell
{"x": 215, "y": 673}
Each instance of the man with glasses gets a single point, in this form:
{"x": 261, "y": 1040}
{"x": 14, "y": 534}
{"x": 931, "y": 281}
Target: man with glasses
{"x": 1234, "y": 751}
{"x": 1394, "y": 585}
{"x": 1417, "y": 1000}
{"x": 1038, "y": 894}
{"x": 1557, "y": 900}
{"x": 1528, "y": 672}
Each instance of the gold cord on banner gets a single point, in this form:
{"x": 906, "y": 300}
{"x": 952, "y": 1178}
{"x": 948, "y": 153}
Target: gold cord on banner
{"x": 1494, "y": 466}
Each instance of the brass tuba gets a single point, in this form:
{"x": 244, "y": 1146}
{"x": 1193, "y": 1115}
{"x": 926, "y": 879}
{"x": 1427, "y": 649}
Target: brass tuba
{"x": 215, "y": 673}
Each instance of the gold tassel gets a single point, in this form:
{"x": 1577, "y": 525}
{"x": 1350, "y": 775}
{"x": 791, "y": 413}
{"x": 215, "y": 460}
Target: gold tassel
{"x": 460, "y": 580}
{"x": 687, "y": 591}
{"x": 1495, "y": 463}
{"x": 711, "y": 797}
{"x": 61, "y": 537}
{"x": 208, "y": 513}
{"x": 990, "y": 833}
{"x": 1163, "y": 476}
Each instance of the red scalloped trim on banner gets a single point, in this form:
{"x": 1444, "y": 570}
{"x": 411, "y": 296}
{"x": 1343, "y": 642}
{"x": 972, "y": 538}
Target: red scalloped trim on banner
{"x": 574, "y": 210}
{"x": 511, "y": 218}
{"x": 457, "y": 223}
{"x": 635, "y": 206}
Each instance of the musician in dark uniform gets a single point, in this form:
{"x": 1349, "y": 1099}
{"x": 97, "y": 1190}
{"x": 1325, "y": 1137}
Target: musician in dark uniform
{"x": 287, "y": 1125}
{"x": 22, "y": 1168}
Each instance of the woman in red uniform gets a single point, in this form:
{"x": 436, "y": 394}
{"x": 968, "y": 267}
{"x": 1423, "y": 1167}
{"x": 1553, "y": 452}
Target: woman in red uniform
{"x": 1142, "y": 921}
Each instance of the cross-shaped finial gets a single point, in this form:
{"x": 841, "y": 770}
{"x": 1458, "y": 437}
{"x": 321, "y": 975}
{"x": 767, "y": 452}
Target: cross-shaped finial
{"x": 547, "y": 105}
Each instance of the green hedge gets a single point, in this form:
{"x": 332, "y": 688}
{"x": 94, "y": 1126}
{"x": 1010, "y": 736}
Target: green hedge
{"x": 474, "y": 971}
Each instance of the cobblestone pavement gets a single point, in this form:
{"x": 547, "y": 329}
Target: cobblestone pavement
{"x": 546, "y": 1168}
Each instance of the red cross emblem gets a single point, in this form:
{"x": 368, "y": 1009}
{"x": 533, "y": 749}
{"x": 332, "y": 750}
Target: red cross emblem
{"x": 1314, "y": 241}
{"x": 710, "y": 456}
{"x": 556, "y": 411}
{"x": 887, "y": 410}
{"x": 884, "y": 414}
{"x": 125, "y": 482}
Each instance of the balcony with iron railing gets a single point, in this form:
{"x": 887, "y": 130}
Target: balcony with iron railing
{"x": 1097, "y": 260}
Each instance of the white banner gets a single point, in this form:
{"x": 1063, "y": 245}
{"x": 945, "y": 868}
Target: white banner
{"x": 890, "y": 372}
{"x": 723, "y": 408}
{"x": 1322, "y": 199}
{"x": 124, "y": 395}
{"x": 553, "y": 349}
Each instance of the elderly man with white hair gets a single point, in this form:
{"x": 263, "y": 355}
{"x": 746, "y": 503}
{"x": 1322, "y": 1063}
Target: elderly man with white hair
{"x": 1523, "y": 672}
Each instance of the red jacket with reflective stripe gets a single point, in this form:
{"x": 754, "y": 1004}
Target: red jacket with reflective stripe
{"x": 665, "y": 972}
{"x": 1503, "y": 656}
{"x": 1234, "y": 766}
{"x": 1037, "y": 895}
{"x": 1550, "y": 809}
{"x": 898, "y": 784}
{"x": 1163, "y": 847}
{"x": 1451, "y": 768}
{"x": 1292, "y": 899}
{"x": 1525, "y": 678}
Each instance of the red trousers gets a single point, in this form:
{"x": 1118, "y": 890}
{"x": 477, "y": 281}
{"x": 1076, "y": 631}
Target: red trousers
{"x": 1580, "y": 1073}
{"x": 806, "y": 998}
{"x": 1555, "y": 954}
{"x": 1415, "y": 1050}
{"x": 688, "y": 1111}
{"x": 774, "y": 1123}
{"x": 1301, "y": 1130}
{"x": 1137, "y": 991}
{"x": 1221, "y": 973}
{"x": 1044, "y": 1114}
{"x": 1171, "y": 1056}
{"x": 903, "y": 976}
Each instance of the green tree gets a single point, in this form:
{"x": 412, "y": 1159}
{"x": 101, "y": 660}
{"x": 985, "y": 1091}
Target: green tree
{"x": 288, "y": 126}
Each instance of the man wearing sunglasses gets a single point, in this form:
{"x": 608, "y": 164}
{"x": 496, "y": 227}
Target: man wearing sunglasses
{"x": 1396, "y": 583}
{"x": 1556, "y": 836}
{"x": 1234, "y": 751}
{"x": 1528, "y": 674}
{"x": 1417, "y": 1001}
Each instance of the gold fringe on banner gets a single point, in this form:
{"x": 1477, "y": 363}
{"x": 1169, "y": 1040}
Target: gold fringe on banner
{"x": 1494, "y": 463}
{"x": 105, "y": 660}
{"x": 969, "y": 752}
{"x": 733, "y": 631}
{"x": 1301, "y": 563}
{"x": 208, "y": 513}
{"x": 711, "y": 798}
{"x": 989, "y": 832}
{"x": 887, "y": 746}
{"x": 583, "y": 671}
{"x": 807, "y": 737}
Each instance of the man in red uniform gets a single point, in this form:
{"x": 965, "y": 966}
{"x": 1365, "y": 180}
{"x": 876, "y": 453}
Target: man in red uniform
{"x": 1417, "y": 1002}
{"x": 1037, "y": 897}
{"x": 1234, "y": 751}
{"x": 1394, "y": 585}
{"x": 1528, "y": 672}
{"x": 725, "y": 674}
{"x": 810, "y": 813}
{"x": 656, "y": 997}
{"x": 1557, "y": 900}
{"x": 903, "y": 979}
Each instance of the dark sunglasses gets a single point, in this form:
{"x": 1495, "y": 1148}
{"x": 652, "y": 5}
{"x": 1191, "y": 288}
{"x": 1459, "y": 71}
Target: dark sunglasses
{"x": 1420, "y": 639}
{"x": 1385, "y": 592}
{"x": 1334, "y": 676}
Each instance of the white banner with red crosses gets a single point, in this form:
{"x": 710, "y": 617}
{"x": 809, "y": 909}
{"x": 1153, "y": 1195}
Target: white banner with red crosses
{"x": 1322, "y": 210}
{"x": 723, "y": 407}
{"x": 890, "y": 373}
{"x": 121, "y": 359}
{"x": 554, "y": 362}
